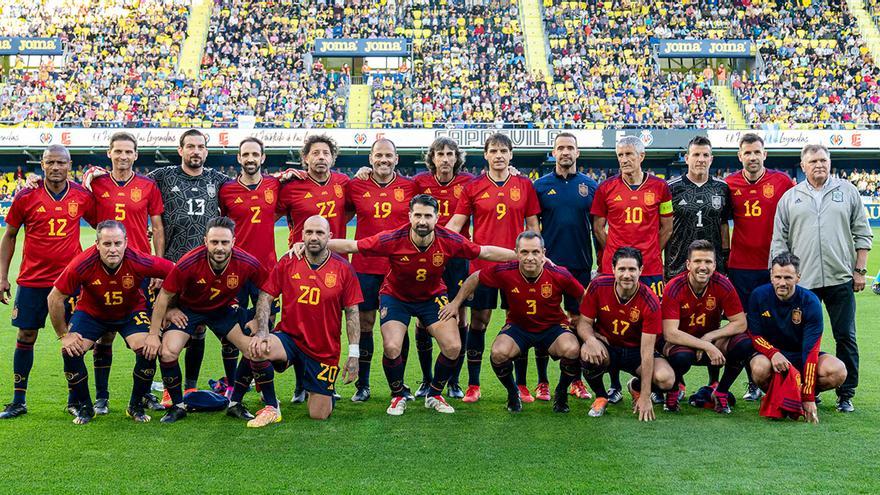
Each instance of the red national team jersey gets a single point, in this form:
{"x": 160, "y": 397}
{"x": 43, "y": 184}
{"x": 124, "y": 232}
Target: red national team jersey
{"x": 110, "y": 296}
{"x": 132, "y": 203}
{"x": 699, "y": 315}
{"x": 51, "y": 237}
{"x": 621, "y": 323}
{"x": 754, "y": 206}
{"x": 447, "y": 195}
{"x": 301, "y": 199}
{"x": 253, "y": 210}
{"x": 313, "y": 301}
{"x": 416, "y": 275}
{"x": 202, "y": 290}
{"x": 499, "y": 211}
{"x": 378, "y": 208}
{"x": 534, "y": 306}
{"x": 633, "y": 219}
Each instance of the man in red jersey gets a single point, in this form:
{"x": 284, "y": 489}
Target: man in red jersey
{"x": 251, "y": 201}
{"x": 207, "y": 281}
{"x": 693, "y": 306}
{"x": 534, "y": 291}
{"x": 418, "y": 253}
{"x": 619, "y": 325}
{"x": 133, "y": 200}
{"x": 110, "y": 277}
{"x": 445, "y": 181}
{"x": 315, "y": 290}
{"x": 380, "y": 202}
{"x": 636, "y": 209}
{"x": 50, "y": 215}
{"x": 754, "y": 193}
{"x": 500, "y": 204}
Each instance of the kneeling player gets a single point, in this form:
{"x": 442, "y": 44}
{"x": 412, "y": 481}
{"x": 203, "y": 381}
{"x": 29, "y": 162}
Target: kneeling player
{"x": 207, "y": 280}
{"x": 619, "y": 325}
{"x": 414, "y": 287}
{"x": 315, "y": 289}
{"x": 535, "y": 318}
{"x": 785, "y": 322}
{"x": 693, "y": 304}
{"x": 109, "y": 276}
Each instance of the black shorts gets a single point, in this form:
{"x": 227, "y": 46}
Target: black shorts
{"x": 221, "y": 321}
{"x": 393, "y": 309}
{"x": 370, "y": 285}
{"x": 455, "y": 273}
{"x": 31, "y": 307}
{"x": 745, "y": 281}
{"x": 318, "y": 377}
{"x": 486, "y": 298}
{"x": 525, "y": 340}
{"x": 570, "y": 304}
{"x": 93, "y": 329}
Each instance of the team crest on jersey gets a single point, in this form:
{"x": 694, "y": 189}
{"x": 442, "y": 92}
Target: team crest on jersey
{"x": 796, "y": 316}
{"x": 710, "y": 303}
{"x": 437, "y": 259}
{"x": 127, "y": 282}
{"x": 337, "y": 190}
{"x": 212, "y": 190}
{"x": 768, "y": 191}
{"x": 716, "y": 202}
{"x": 72, "y": 209}
{"x": 330, "y": 280}
{"x": 398, "y": 194}
{"x": 650, "y": 198}
{"x": 136, "y": 194}
{"x": 515, "y": 194}
{"x": 456, "y": 191}
{"x": 269, "y": 196}
{"x": 583, "y": 190}
{"x": 546, "y": 290}
{"x": 232, "y": 281}
{"x": 634, "y": 315}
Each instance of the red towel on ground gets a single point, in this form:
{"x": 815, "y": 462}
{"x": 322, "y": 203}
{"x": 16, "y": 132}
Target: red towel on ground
{"x": 783, "y": 398}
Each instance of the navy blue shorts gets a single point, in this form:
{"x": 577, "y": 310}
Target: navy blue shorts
{"x": 149, "y": 295}
{"x": 93, "y": 329}
{"x": 625, "y": 358}
{"x": 525, "y": 340}
{"x": 247, "y": 301}
{"x": 486, "y": 298}
{"x": 221, "y": 321}
{"x": 370, "y": 285}
{"x": 31, "y": 307}
{"x": 455, "y": 273}
{"x": 393, "y": 309}
{"x": 570, "y": 304}
{"x": 797, "y": 359}
{"x": 655, "y": 283}
{"x": 318, "y": 377}
{"x": 745, "y": 281}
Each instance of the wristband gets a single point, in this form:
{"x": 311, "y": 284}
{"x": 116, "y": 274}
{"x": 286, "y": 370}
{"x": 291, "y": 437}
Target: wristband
{"x": 354, "y": 350}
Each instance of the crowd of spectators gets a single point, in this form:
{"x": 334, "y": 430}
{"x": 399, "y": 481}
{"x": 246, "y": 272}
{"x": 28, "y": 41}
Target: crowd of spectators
{"x": 868, "y": 183}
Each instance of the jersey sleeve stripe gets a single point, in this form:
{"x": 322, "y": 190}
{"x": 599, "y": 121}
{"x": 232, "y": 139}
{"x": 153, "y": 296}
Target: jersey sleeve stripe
{"x": 87, "y": 263}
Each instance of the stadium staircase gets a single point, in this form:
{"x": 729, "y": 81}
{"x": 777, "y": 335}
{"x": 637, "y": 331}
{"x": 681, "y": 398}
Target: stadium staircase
{"x": 867, "y": 28}
{"x": 535, "y": 38}
{"x": 358, "y": 112}
{"x": 729, "y": 106}
{"x": 196, "y": 37}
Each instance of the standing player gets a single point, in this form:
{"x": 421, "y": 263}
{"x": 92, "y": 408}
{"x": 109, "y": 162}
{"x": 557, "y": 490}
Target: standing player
{"x": 785, "y": 322}
{"x": 207, "y": 281}
{"x": 535, "y": 319}
{"x": 380, "y": 203}
{"x": 418, "y": 253}
{"x": 693, "y": 306}
{"x": 50, "y": 215}
{"x": 445, "y": 181}
{"x": 251, "y": 202}
{"x": 754, "y": 193}
{"x": 566, "y": 197}
{"x": 500, "y": 204}
{"x": 636, "y": 208}
{"x": 619, "y": 325}
{"x": 110, "y": 277}
{"x": 315, "y": 290}
{"x": 133, "y": 200}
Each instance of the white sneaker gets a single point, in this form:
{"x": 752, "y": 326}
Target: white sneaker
{"x": 439, "y": 404}
{"x": 398, "y": 405}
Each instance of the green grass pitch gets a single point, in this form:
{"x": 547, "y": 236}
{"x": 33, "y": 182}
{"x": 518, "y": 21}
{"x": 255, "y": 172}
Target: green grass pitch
{"x": 479, "y": 449}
